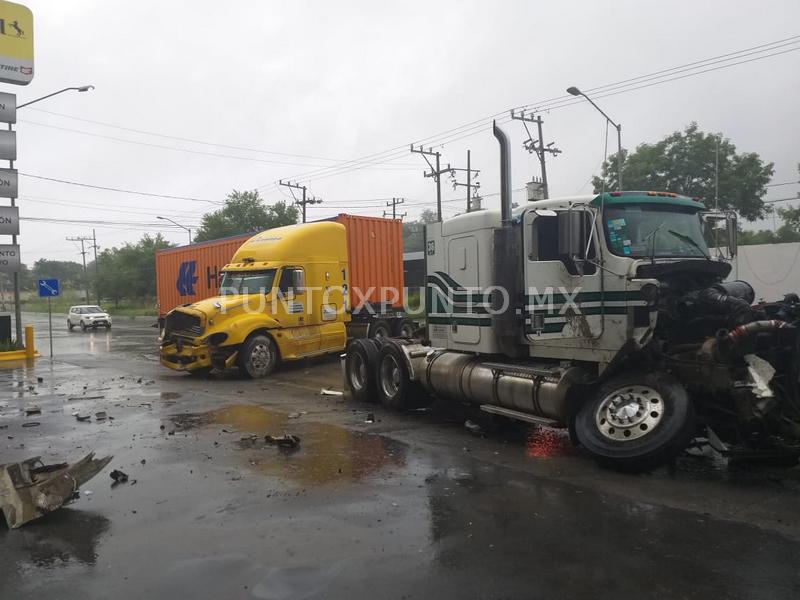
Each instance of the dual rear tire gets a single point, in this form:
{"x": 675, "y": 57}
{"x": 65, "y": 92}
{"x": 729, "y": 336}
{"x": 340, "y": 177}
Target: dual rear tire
{"x": 377, "y": 371}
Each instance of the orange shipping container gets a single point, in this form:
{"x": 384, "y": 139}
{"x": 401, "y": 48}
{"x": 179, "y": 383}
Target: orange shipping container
{"x": 192, "y": 273}
{"x": 375, "y": 253}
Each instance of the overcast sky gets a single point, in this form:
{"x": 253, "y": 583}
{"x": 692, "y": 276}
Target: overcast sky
{"x": 335, "y": 81}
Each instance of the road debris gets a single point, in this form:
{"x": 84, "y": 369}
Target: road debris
{"x": 118, "y": 476}
{"x": 283, "y": 441}
{"x": 31, "y": 489}
{"x": 74, "y": 398}
{"x": 473, "y": 427}
{"x": 81, "y": 417}
{"x": 370, "y": 418}
{"x": 31, "y": 424}
{"x": 32, "y": 409}
{"x": 100, "y": 415}
{"x": 327, "y": 392}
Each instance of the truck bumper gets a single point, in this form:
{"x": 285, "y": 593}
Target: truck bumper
{"x": 185, "y": 357}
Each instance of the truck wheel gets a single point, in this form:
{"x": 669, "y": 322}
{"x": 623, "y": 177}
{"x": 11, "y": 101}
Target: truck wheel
{"x": 360, "y": 363}
{"x": 404, "y": 328}
{"x": 258, "y": 356}
{"x": 395, "y": 388}
{"x": 379, "y": 329}
{"x": 636, "y": 422}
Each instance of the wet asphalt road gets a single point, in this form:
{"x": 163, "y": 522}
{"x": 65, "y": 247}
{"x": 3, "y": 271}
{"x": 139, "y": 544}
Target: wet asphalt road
{"x": 407, "y": 506}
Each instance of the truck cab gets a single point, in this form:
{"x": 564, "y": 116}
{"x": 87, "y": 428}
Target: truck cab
{"x": 294, "y": 292}
{"x": 282, "y": 296}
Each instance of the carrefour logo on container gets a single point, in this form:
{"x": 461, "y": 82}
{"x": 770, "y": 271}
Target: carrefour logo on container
{"x": 186, "y": 278}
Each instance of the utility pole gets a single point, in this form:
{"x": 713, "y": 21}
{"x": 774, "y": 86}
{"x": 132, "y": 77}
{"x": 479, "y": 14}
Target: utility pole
{"x": 393, "y": 204}
{"x": 435, "y": 173}
{"x": 471, "y": 185}
{"x": 84, "y": 251}
{"x": 536, "y": 146}
{"x": 96, "y": 270}
{"x": 304, "y": 201}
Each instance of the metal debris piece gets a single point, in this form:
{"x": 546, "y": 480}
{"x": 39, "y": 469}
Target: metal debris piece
{"x": 81, "y": 417}
{"x": 31, "y": 424}
{"x": 100, "y": 415}
{"x": 370, "y": 418}
{"x": 283, "y": 441}
{"x": 327, "y": 392}
{"x": 31, "y": 489}
{"x": 32, "y": 409}
{"x": 74, "y": 398}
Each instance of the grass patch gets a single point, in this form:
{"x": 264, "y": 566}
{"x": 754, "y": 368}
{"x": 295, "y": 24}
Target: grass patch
{"x": 10, "y": 345}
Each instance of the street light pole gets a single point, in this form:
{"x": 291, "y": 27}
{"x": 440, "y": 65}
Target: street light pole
{"x": 82, "y": 88}
{"x": 17, "y": 307}
{"x": 177, "y": 225}
{"x": 576, "y": 92}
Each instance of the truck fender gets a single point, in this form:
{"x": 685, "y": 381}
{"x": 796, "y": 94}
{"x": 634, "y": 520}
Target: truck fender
{"x": 243, "y": 328}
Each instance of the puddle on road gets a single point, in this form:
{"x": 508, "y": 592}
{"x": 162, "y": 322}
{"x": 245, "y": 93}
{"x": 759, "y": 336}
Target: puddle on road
{"x": 327, "y": 453}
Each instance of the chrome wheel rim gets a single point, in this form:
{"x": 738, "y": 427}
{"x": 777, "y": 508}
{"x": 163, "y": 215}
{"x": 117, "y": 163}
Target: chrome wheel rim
{"x": 260, "y": 357}
{"x": 629, "y": 413}
{"x": 380, "y": 333}
{"x": 358, "y": 372}
{"x": 390, "y": 376}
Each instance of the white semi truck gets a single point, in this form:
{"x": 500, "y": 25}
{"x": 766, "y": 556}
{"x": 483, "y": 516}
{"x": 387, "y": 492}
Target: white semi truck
{"x": 607, "y": 314}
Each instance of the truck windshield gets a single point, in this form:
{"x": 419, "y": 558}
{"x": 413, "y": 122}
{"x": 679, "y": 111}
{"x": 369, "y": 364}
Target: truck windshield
{"x": 646, "y": 230}
{"x": 246, "y": 282}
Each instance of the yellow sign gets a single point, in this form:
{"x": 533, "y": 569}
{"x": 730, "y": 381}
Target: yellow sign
{"x": 16, "y": 43}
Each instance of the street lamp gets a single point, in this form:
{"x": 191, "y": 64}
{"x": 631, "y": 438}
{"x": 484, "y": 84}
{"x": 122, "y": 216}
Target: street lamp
{"x": 82, "y": 88}
{"x": 17, "y": 307}
{"x": 178, "y": 225}
{"x": 576, "y": 92}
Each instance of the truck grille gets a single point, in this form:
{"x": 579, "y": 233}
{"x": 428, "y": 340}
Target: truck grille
{"x": 181, "y": 322}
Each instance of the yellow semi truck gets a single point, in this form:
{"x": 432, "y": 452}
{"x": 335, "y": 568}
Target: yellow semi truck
{"x": 294, "y": 292}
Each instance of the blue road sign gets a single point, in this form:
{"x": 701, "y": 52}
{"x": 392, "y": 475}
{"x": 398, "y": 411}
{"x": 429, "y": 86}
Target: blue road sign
{"x": 49, "y": 288}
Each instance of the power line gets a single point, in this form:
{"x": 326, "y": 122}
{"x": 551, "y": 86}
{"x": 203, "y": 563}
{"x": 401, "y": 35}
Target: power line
{"x": 120, "y": 190}
{"x": 185, "y": 139}
{"x": 189, "y": 151}
{"x": 782, "y": 183}
{"x": 561, "y": 102}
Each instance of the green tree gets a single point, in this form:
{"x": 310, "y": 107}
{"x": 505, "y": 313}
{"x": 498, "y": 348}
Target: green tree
{"x": 68, "y": 272}
{"x": 129, "y": 272}
{"x": 791, "y": 216}
{"x": 684, "y": 162}
{"x": 244, "y": 212}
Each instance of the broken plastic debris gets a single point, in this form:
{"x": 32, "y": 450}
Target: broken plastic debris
{"x": 31, "y": 489}
{"x": 327, "y": 392}
{"x": 370, "y": 418}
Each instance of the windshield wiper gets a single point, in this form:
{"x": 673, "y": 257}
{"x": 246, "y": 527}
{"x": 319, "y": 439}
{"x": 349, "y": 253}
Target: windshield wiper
{"x": 653, "y": 244}
{"x": 690, "y": 241}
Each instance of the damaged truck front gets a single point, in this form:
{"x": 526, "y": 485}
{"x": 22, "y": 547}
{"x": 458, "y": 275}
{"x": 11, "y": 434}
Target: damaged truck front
{"x": 611, "y": 315}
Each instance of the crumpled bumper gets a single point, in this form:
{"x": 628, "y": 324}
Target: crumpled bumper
{"x": 185, "y": 356}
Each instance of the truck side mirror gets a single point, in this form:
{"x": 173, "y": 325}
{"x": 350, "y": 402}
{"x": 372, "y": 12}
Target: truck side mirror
{"x": 573, "y": 237}
{"x": 733, "y": 234}
{"x": 572, "y": 234}
{"x": 298, "y": 280}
